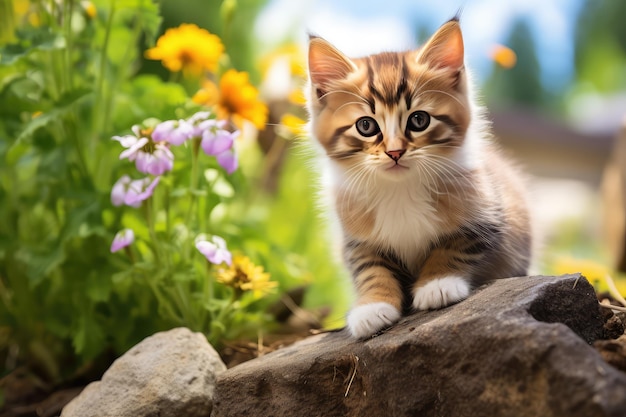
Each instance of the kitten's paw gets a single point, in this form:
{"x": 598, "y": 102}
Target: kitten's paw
{"x": 367, "y": 319}
{"x": 440, "y": 293}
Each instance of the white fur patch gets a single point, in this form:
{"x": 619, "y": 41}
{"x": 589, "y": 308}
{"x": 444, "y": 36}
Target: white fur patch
{"x": 441, "y": 293}
{"x": 406, "y": 218}
{"x": 367, "y": 319}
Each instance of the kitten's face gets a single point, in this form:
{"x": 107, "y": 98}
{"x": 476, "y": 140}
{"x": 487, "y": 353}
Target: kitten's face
{"x": 392, "y": 114}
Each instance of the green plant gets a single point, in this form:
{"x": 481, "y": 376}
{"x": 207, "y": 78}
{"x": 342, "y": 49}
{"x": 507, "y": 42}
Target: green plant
{"x": 67, "y": 88}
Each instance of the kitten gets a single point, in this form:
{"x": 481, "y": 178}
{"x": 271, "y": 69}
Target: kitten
{"x": 428, "y": 207}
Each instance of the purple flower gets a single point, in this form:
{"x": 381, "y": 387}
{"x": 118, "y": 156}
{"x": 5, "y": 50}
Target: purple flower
{"x": 132, "y": 193}
{"x": 150, "y": 157}
{"x": 214, "y": 250}
{"x": 199, "y": 117}
{"x": 158, "y": 162}
{"x": 228, "y": 160}
{"x": 119, "y": 191}
{"x": 140, "y": 190}
{"x": 217, "y": 141}
{"x": 122, "y": 239}
{"x": 172, "y": 131}
{"x": 133, "y": 143}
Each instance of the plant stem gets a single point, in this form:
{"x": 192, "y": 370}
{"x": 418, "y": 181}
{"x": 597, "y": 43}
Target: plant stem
{"x": 68, "y": 9}
{"x": 221, "y": 317}
{"x": 163, "y": 302}
{"x": 98, "y": 118}
{"x": 207, "y": 295}
{"x": 149, "y": 212}
{"x": 193, "y": 183}
{"x": 184, "y": 307}
{"x": 123, "y": 69}
{"x": 69, "y": 126}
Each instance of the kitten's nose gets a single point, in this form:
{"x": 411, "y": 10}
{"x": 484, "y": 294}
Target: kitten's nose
{"x": 395, "y": 155}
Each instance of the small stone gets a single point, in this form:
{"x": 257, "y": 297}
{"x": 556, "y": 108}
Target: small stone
{"x": 613, "y": 328}
{"x": 613, "y": 351}
{"x": 168, "y": 374}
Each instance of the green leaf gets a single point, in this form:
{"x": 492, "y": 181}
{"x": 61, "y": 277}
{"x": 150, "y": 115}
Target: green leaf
{"x": 147, "y": 96}
{"x": 60, "y": 110}
{"x": 121, "y": 35}
{"x": 16, "y": 152}
{"x": 42, "y": 38}
{"x": 77, "y": 219}
{"x": 98, "y": 286}
{"x": 89, "y": 338}
{"x": 144, "y": 12}
{"x": 40, "y": 264}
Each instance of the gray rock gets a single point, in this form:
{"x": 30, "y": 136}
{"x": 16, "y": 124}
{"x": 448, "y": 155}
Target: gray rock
{"x": 518, "y": 347}
{"x": 171, "y": 373}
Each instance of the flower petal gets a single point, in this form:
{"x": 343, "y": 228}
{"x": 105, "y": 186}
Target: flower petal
{"x": 228, "y": 161}
{"x": 199, "y": 116}
{"x": 143, "y": 160}
{"x": 224, "y": 140}
{"x": 126, "y": 141}
{"x": 140, "y": 190}
{"x": 118, "y": 192}
{"x": 163, "y": 130}
{"x": 132, "y": 151}
{"x": 215, "y": 250}
{"x": 122, "y": 239}
{"x": 184, "y": 131}
{"x": 206, "y": 248}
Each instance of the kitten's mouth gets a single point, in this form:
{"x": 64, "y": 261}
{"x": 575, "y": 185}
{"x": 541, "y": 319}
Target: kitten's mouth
{"x": 395, "y": 166}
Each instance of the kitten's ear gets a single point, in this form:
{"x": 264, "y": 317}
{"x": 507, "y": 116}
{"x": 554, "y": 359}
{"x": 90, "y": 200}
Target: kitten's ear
{"x": 445, "y": 48}
{"x": 327, "y": 64}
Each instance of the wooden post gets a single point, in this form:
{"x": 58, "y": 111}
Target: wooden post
{"x": 614, "y": 199}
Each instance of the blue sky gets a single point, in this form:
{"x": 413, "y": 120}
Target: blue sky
{"x": 360, "y": 27}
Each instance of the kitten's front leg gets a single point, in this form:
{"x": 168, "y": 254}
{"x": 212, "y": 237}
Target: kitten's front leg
{"x": 379, "y": 294}
{"x": 442, "y": 281}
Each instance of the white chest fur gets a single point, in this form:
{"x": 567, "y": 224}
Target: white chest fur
{"x": 405, "y": 218}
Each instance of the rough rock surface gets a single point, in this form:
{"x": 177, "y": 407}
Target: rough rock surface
{"x": 518, "y": 347}
{"x": 171, "y": 373}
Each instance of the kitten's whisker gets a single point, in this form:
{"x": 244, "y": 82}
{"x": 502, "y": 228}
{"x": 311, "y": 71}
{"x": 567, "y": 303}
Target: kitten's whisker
{"x": 355, "y": 176}
{"x": 346, "y": 104}
{"x": 452, "y": 174}
{"x": 448, "y": 171}
{"x": 363, "y": 99}
{"x": 417, "y": 82}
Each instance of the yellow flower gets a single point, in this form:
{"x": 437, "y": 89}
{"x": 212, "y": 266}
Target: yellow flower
{"x": 294, "y": 124}
{"x": 592, "y": 270}
{"x": 90, "y": 9}
{"x": 26, "y": 11}
{"x": 235, "y": 98}
{"x": 292, "y": 53}
{"x": 297, "y": 97}
{"x": 188, "y": 48}
{"x": 243, "y": 275}
{"x": 504, "y": 56}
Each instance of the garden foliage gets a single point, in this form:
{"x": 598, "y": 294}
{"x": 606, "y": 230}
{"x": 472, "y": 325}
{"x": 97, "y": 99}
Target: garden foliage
{"x": 130, "y": 204}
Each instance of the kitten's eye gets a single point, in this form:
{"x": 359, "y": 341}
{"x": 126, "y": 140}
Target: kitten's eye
{"x": 367, "y": 126}
{"x": 418, "y": 121}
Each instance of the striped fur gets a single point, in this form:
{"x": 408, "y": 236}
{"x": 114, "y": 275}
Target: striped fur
{"x": 427, "y": 205}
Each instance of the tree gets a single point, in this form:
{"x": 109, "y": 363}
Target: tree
{"x": 520, "y": 85}
{"x": 601, "y": 45}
